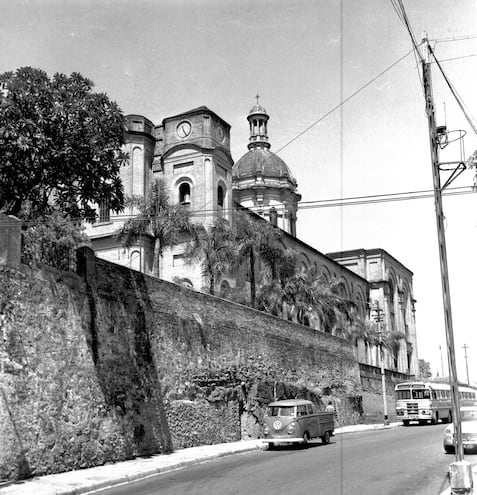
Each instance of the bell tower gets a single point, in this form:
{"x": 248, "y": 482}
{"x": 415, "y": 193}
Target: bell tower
{"x": 196, "y": 163}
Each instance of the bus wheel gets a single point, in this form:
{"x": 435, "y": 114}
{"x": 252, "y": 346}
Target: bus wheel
{"x": 405, "y": 422}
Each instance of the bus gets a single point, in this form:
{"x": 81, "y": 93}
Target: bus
{"x": 429, "y": 402}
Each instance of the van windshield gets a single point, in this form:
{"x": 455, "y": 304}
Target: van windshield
{"x": 281, "y": 411}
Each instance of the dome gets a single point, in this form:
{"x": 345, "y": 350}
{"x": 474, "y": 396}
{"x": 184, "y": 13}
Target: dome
{"x": 260, "y": 161}
{"x": 258, "y": 109}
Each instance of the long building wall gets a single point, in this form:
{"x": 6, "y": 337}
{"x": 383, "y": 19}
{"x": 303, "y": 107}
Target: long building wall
{"x": 111, "y": 363}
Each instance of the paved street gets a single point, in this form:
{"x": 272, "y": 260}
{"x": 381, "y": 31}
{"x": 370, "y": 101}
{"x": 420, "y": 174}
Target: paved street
{"x": 386, "y": 462}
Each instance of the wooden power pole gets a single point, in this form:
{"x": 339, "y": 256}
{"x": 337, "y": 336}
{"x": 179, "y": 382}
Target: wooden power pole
{"x": 434, "y": 134}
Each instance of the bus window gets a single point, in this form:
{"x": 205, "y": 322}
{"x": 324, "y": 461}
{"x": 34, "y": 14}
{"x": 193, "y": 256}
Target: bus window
{"x": 403, "y": 394}
{"x": 434, "y": 394}
{"x": 421, "y": 394}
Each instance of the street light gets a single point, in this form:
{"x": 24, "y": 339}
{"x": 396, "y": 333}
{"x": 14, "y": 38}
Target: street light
{"x": 378, "y": 318}
{"x": 465, "y": 347}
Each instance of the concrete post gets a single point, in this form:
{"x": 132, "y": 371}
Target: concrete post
{"x": 10, "y": 240}
{"x": 460, "y": 473}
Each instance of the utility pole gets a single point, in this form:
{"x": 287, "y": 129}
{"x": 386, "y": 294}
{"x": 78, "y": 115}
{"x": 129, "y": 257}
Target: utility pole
{"x": 434, "y": 135}
{"x": 442, "y": 361}
{"x": 378, "y": 318}
{"x": 465, "y": 347}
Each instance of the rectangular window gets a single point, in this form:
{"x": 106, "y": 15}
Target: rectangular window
{"x": 179, "y": 259}
{"x": 104, "y": 211}
{"x": 182, "y": 165}
{"x": 403, "y": 394}
{"x": 137, "y": 125}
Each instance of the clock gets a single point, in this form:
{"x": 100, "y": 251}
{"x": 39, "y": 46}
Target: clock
{"x": 220, "y": 133}
{"x": 183, "y": 129}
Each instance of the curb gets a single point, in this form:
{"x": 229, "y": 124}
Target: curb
{"x": 88, "y": 480}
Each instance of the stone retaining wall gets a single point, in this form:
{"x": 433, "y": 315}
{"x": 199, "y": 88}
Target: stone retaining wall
{"x": 110, "y": 364}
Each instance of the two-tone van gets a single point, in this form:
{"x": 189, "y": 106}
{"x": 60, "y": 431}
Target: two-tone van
{"x": 296, "y": 421}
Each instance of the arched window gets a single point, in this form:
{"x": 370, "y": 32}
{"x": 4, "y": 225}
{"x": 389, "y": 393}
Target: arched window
{"x": 220, "y": 196}
{"x": 184, "y": 193}
{"x": 273, "y": 216}
{"x": 224, "y": 289}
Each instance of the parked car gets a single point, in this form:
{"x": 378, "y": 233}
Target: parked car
{"x": 296, "y": 421}
{"x": 468, "y": 415}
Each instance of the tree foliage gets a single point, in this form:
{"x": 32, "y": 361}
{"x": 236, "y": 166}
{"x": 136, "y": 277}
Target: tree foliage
{"x": 255, "y": 240}
{"x": 214, "y": 249}
{"x": 53, "y": 240}
{"x": 60, "y": 145}
{"x": 424, "y": 369}
{"x": 157, "y": 217}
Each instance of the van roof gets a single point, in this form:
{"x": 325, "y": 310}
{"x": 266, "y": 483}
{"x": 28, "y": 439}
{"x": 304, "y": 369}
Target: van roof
{"x": 290, "y": 402}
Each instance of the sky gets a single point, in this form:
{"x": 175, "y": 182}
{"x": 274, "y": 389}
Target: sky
{"x": 303, "y": 57}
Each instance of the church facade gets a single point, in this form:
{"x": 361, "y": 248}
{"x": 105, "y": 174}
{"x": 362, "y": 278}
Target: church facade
{"x": 190, "y": 152}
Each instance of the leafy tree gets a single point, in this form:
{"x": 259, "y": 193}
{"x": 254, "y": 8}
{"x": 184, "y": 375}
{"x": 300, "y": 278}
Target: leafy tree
{"x": 53, "y": 239}
{"x": 392, "y": 342}
{"x": 424, "y": 369}
{"x": 60, "y": 145}
{"x": 157, "y": 217}
{"x": 213, "y": 248}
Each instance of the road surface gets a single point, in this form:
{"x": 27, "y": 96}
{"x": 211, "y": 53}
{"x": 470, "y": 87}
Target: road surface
{"x": 380, "y": 462}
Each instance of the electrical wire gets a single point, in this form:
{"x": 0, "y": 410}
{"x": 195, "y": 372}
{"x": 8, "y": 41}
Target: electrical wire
{"x": 305, "y": 205}
{"x": 457, "y": 97}
{"x": 458, "y": 38}
{"x": 399, "y": 7}
{"x": 458, "y": 58}
{"x": 336, "y": 107}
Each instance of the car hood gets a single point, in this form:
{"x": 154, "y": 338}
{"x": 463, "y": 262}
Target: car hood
{"x": 466, "y": 426}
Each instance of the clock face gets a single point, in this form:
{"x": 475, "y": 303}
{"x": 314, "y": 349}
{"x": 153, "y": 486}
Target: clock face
{"x": 220, "y": 133}
{"x": 183, "y": 129}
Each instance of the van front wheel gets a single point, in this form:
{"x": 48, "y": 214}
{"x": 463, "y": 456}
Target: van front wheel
{"x": 306, "y": 438}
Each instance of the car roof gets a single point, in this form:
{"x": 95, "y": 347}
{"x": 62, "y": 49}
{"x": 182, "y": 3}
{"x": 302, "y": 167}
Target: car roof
{"x": 290, "y": 402}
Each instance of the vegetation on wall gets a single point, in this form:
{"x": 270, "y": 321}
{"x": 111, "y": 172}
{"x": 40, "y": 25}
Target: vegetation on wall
{"x": 53, "y": 240}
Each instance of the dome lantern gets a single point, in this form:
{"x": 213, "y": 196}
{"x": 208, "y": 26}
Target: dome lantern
{"x": 258, "y": 119}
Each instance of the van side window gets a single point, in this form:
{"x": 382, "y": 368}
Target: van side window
{"x": 310, "y": 409}
{"x": 301, "y": 410}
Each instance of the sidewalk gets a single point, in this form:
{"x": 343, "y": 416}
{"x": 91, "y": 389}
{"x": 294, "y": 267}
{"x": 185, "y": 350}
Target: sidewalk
{"x": 88, "y": 480}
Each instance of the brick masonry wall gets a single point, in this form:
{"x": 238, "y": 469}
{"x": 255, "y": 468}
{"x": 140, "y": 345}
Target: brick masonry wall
{"x": 113, "y": 364}
{"x": 371, "y": 382}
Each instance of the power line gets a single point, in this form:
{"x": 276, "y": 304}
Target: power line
{"x": 457, "y": 97}
{"x": 458, "y": 58}
{"x": 455, "y": 38}
{"x": 305, "y": 205}
{"x": 344, "y": 101}
{"x": 401, "y": 11}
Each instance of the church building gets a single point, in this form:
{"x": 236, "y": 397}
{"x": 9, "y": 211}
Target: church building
{"x": 190, "y": 152}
